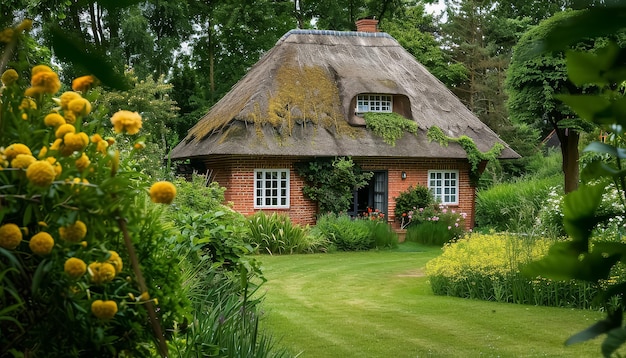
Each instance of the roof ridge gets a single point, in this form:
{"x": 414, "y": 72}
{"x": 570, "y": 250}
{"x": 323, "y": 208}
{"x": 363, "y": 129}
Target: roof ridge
{"x": 333, "y": 33}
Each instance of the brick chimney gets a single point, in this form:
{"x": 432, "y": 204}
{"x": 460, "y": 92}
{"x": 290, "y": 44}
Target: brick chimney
{"x": 367, "y": 25}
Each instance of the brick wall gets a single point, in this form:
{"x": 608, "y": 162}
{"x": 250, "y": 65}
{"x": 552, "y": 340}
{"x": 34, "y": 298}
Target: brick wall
{"x": 237, "y": 175}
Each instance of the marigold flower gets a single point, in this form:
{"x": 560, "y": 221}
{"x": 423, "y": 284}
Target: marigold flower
{"x": 41, "y": 173}
{"x": 58, "y": 169}
{"x": 102, "y": 146}
{"x": 96, "y": 138}
{"x": 10, "y": 236}
{"x": 70, "y": 117}
{"x": 75, "y": 267}
{"x": 22, "y": 161}
{"x": 14, "y": 149}
{"x": 80, "y": 106}
{"x": 101, "y": 272}
{"x": 127, "y": 121}
{"x": 82, "y": 83}
{"x": 57, "y": 144}
{"x": 47, "y": 80}
{"x": 83, "y": 162}
{"x": 104, "y": 309}
{"x": 54, "y": 120}
{"x": 116, "y": 261}
{"x": 73, "y": 232}
{"x": 28, "y": 103}
{"x": 40, "y": 68}
{"x": 9, "y": 77}
{"x": 68, "y": 97}
{"x": 74, "y": 142}
{"x": 162, "y": 192}
{"x": 41, "y": 243}
{"x": 64, "y": 129}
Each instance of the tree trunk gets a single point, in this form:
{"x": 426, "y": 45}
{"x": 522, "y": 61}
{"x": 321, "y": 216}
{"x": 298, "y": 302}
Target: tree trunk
{"x": 569, "y": 150}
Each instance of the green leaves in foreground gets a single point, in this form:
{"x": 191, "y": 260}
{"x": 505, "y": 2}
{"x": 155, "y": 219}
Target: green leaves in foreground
{"x": 602, "y": 75}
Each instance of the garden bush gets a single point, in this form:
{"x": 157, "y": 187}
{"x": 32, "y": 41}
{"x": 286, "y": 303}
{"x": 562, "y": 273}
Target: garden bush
{"x": 513, "y": 206}
{"x": 411, "y": 200}
{"x": 487, "y": 267}
{"x": 276, "y": 234}
{"x": 434, "y": 225}
{"x": 82, "y": 253}
{"x": 348, "y": 234}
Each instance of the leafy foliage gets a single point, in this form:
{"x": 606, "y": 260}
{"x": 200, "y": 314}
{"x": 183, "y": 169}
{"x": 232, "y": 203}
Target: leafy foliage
{"x": 474, "y": 155}
{"x": 276, "y": 234}
{"x": 347, "y": 234}
{"x": 412, "y": 199}
{"x": 582, "y": 258}
{"x": 331, "y": 182}
{"x": 389, "y": 126}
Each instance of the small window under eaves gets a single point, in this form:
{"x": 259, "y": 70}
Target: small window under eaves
{"x": 379, "y": 103}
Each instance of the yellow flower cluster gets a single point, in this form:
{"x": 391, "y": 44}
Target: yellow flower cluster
{"x": 116, "y": 261}
{"x": 104, "y": 309}
{"x": 101, "y": 272}
{"x": 162, "y": 192}
{"x": 74, "y": 232}
{"x": 488, "y": 255}
{"x": 126, "y": 121}
{"x": 75, "y": 267}
{"x": 10, "y": 236}
{"x": 41, "y": 243}
{"x": 43, "y": 80}
{"x": 83, "y": 84}
{"x": 9, "y": 77}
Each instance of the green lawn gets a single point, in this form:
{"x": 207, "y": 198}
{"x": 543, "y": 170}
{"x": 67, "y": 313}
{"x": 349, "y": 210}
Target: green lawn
{"x": 379, "y": 304}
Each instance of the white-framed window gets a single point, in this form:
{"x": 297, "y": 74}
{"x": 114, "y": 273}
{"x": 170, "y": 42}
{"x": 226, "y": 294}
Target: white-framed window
{"x": 271, "y": 188}
{"x": 444, "y": 184}
{"x": 382, "y": 103}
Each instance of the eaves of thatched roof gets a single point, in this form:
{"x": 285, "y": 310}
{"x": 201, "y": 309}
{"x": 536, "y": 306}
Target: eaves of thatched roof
{"x": 297, "y": 100}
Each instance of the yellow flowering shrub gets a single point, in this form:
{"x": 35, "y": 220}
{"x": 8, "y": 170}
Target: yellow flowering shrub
{"x": 68, "y": 198}
{"x": 487, "y": 266}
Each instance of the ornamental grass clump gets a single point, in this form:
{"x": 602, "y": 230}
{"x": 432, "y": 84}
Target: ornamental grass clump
{"x": 487, "y": 267}
{"x": 78, "y": 237}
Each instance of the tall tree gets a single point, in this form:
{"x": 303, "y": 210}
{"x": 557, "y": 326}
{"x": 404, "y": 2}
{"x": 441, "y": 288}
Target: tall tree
{"x": 415, "y": 30}
{"x": 532, "y": 83}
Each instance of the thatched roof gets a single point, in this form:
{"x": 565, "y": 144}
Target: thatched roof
{"x": 297, "y": 101}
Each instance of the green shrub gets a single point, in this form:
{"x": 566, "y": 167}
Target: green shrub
{"x": 196, "y": 196}
{"x": 513, "y": 206}
{"x": 276, "y": 234}
{"x": 216, "y": 235}
{"x": 347, "y": 234}
{"x": 412, "y": 199}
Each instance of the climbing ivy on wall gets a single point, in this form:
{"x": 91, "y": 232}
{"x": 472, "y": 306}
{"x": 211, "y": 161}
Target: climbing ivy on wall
{"x": 389, "y": 126}
{"x": 475, "y": 156}
{"x": 331, "y": 182}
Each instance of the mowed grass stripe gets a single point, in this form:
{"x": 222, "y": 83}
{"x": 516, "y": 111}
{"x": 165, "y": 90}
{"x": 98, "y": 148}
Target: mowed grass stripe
{"x": 379, "y": 304}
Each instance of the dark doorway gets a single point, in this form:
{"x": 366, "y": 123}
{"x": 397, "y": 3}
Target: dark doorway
{"x": 373, "y": 195}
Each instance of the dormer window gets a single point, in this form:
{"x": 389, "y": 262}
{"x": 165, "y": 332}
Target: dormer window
{"x": 381, "y": 103}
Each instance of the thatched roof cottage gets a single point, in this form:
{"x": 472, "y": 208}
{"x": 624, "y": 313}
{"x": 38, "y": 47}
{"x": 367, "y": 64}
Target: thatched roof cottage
{"x": 307, "y": 97}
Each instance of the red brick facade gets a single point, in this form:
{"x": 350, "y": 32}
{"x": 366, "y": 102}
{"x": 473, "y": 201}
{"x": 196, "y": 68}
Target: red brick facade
{"x": 237, "y": 175}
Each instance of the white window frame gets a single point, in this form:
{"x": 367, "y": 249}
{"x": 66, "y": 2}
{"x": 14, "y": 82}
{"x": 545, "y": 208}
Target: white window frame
{"x": 375, "y": 102}
{"x": 271, "y": 189}
{"x": 444, "y": 184}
